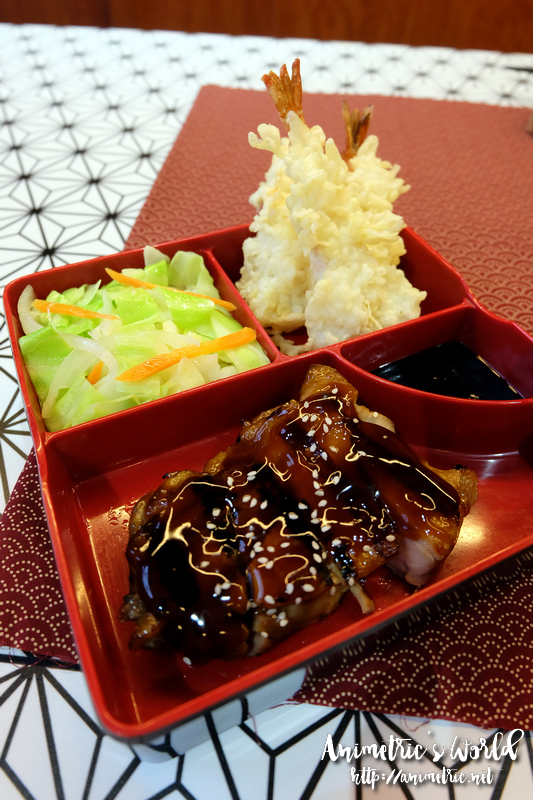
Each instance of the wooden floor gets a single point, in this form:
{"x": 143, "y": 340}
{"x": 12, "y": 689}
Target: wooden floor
{"x": 505, "y": 25}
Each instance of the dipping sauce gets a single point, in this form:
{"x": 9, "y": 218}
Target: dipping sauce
{"x": 452, "y": 370}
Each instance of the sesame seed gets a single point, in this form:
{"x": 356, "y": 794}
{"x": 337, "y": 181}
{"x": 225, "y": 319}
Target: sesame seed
{"x": 230, "y": 481}
{"x": 390, "y": 538}
{"x": 314, "y": 513}
{"x": 271, "y": 549}
{"x": 308, "y": 587}
{"x": 289, "y": 589}
{"x": 285, "y": 544}
{"x": 366, "y": 548}
{"x": 251, "y": 475}
{"x": 315, "y": 545}
{"x": 306, "y": 404}
{"x": 315, "y": 521}
{"x": 322, "y": 503}
{"x": 305, "y": 418}
{"x": 319, "y": 493}
{"x": 333, "y": 448}
{"x": 328, "y": 421}
{"x": 336, "y": 542}
{"x": 250, "y": 535}
{"x": 217, "y": 589}
{"x": 313, "y": 447}
{"x": 271, "y": 612}
{"x": 332, "y": 590}
{"x": 361, "y": 453}
{"x": 351, "y": 582}
{"x": 187, "y": 660}
{"x": 215, "y": 512}
{"x": 253, "y": 502}
{"x": 262, "y": 560}
{"x": 246, "y": 498}
{"x": 315, "y": 473}
{"x": 334, "y": 391}
{"x": 325, "y": 528}
{"x": 269, "y": 599}
{"x": 263, "y": 504}
{"x": 302, "y": 506}
{"x": 316, "y": 484}
{"x": 325, "y": 428}
{"x": 324, "y": 455}
{"x": 297, "y": 601}
{"x": 226, "y": 585}
{"x": 282, "y": 614}
{"x": 258, "y": 547}
{"x": 283, "y": 622}
{"x": 336, "y": 479}
{"x": 204, "y": 564}
{"x": 264, "y": 634}
{"x": 269, "y": 565}
{"x": 312, "y": 570}
{"x": 210, "y": 526}
{"x": 317, "y": 558}
{"x": 292, "y": 515}
{"x": 314, "y": 417}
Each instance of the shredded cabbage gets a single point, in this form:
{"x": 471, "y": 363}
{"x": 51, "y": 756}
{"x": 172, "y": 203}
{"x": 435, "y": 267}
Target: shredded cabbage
{"x": 60, "y": 350}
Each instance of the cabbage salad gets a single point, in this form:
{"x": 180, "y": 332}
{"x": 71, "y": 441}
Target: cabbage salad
{"x": 78, "y": 364}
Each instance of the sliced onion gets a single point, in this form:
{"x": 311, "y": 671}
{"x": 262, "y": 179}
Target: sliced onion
{"x": 90, "y": 292}
{"x": 90, "y": 346}
{"x": 28, "y": 323}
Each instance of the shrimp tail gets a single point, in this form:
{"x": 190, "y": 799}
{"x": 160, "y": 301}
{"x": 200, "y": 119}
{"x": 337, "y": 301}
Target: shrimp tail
{"x": 356, "y": 123}
{"x": 286, "y": 91}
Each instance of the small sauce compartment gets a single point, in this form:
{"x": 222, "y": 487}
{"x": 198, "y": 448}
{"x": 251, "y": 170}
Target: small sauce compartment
{"x": 450, "y": 369}
{"x": 448, "y": 423}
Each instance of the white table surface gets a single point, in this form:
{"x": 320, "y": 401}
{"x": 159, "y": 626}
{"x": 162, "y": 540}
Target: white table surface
{"x": 87, "y": 117}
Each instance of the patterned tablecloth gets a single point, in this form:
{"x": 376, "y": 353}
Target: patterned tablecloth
{"x": 88, "y": 117}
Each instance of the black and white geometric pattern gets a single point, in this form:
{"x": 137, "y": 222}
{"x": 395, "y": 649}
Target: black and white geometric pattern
{"x": 52, "y": 747}
{"x": 87, "y": 117}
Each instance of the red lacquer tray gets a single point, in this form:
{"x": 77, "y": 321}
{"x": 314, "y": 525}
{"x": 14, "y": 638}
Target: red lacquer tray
{"x": 92, "y": 474}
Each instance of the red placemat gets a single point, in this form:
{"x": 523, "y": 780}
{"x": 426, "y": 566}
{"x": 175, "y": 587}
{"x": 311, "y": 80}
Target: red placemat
{"x": 469, "y": 659}
{"x": 33, "y": 615}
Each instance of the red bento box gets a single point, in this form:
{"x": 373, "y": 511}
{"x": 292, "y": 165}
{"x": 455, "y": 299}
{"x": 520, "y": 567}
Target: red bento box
{"x": 92, "y": 474}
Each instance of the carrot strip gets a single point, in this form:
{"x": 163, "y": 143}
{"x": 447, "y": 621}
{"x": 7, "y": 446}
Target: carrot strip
{"x": 96, "y": 373}
{"x": 129, "y": 281}
{"x": 71, "y": 311}
{"x": 158, "y": 363}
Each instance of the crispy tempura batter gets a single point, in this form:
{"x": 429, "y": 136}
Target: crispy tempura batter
{"x": 286, "y": 92}
{"x": 357, "y": 124}
{"x": 328, "y": 243}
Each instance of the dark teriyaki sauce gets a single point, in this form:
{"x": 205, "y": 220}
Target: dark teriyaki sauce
{"x": 225, "y": 560}
{"x": 452, "y": 370}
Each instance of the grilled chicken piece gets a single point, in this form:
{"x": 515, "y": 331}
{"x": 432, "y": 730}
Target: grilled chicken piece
{"x": 316, "y": 494}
